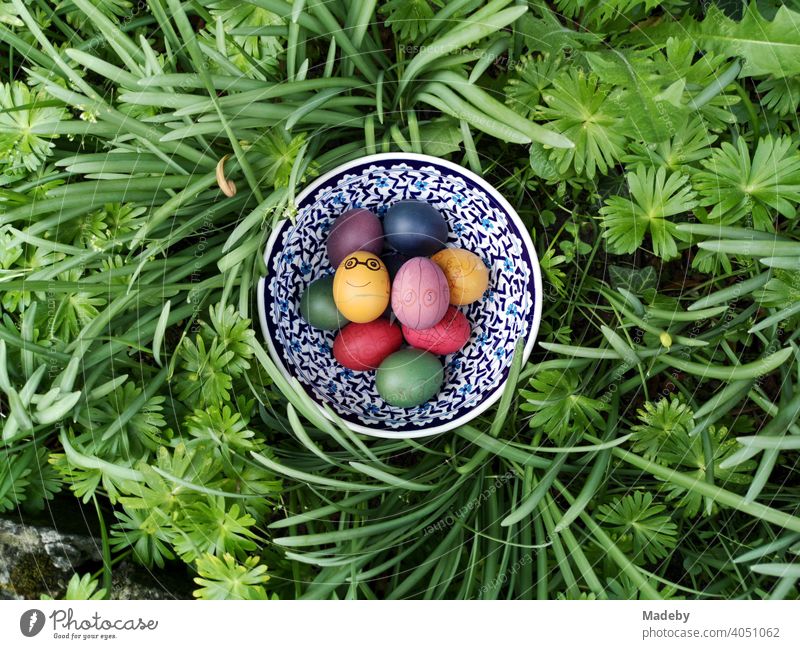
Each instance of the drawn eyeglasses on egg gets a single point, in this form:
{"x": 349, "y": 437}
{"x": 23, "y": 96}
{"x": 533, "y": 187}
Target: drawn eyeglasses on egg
{"x": 372, "y": 264}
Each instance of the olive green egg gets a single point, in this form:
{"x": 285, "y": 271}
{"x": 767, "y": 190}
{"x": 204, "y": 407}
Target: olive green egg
{"x": 318, "y": 308}
{"x": 409, "y": 378}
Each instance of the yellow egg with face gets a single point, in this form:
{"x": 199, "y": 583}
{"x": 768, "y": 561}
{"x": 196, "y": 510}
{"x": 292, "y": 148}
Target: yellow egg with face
{"x": 361, "y": 287}
{"x": 466, "y": 274}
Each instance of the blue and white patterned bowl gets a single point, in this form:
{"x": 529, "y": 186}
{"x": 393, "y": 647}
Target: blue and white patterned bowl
{"x": 479, "y": 220}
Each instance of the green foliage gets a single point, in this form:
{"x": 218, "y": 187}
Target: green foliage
{"x": 532, "y": 76}
{"x": 409, "y": 18}
{"x": 107, "y": 227}
{"x": 780, "y": 94}
{"x": 13, "y": 483}
{"x": 661, "y": 423}
{"x": 223, "y": 428}
{"x": 147, "y": 534}
{"x": 559, "y": 407}
{"x": 543, "y": 31}
{"x": 277, "y": 154}
{"x": 143, "y": 430}
{"x": 207, "y": 378}
{"x": 640, "y": 526}
{"x": 649, "y": 108}
{"x": 766, "y": 46}
{"x": 578, "y": 106}
{"x": 654, "y": 196}
{"x": 637, "y": 281}
{"x": 224, "y": 578}
{"x": 253, "y": 53}
{"x": 550, "y": 267}
{"x": 23, "y": 143}
{"x": 234, "y": 334}
{"x": 220, "y": 354}
{"x": 216, "y": 531}
{"x": 738, "y": 185}
{"x": 599, "y": 14}
{"x": 82, "y": 588}
{"x": 649, "y": 147}
{"x": 781, "y": 290}
{"x": 702, "y": 455}
{"x": 691, "y": 143}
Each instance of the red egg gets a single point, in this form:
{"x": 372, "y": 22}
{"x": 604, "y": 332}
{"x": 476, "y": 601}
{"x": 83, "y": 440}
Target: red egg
{"x": 449, "y": 335}
{"x": 420, "y": 295}
{"x": 364, "y": 346}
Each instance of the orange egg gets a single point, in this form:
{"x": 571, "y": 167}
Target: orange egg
{"x": 467, "y": 275}
{"x": 361, "y": 287}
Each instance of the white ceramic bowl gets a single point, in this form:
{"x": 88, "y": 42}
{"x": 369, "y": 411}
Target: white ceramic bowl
{"x": 479, "y": 219}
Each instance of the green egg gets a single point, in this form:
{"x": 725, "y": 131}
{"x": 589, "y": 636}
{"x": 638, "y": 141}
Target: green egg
{"x": 409, "y": 378}
{"x": 318, "y": 308}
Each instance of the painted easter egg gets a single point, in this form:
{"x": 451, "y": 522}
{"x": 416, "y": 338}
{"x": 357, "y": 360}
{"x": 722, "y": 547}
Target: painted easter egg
{"x": 409, "y": 378}
{"x": 361, "y": 287}
{"x": 449, "y": 335}
{"x": 415, "y": 228}
{"x": 467, "y": 275}
{"x": 420, "y": 295}
{"x": 356, "y": 229}
{"x": 318, "y": 308}
{"x": 364, "y": 346}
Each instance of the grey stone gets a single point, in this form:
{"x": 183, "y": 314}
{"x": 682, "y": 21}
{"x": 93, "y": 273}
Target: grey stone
{"x": 40, "y": 560}
{"x": 127, "y": 583}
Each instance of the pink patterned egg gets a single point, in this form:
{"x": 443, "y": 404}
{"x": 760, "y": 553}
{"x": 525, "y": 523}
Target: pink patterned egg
{"x": 420, "y": 295}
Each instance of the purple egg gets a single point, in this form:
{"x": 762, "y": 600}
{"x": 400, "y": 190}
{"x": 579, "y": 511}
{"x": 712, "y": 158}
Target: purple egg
{"x": 420, "y": 295}
{"x": 356, "y": 229}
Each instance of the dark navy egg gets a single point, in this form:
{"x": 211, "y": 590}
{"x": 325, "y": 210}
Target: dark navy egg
{"x": 393, "y": 261}
{"x": 415, "y": 228}
{"x": 356, "y": 229}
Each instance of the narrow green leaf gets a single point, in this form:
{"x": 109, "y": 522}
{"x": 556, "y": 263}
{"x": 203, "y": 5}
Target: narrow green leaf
{"x": 59, "y": 409}
{"x": 89, "y": 462}
{"x": 533, "y": 499}
{"x": 744, "y": 287}
{"x": 312, "y": 479}
{"x": 620, "y": 346}
{"x": 730, "y": 373}
{"x": 718, "y": 494}
{"x": 777, "y": 569}
{"x": 768, "y": 548}
{"x": 502, "y": 113}
{"x": 390, "y": 479}
{"x": 468, "y": 33}
{"x": 106, "y": 388}
{"x": 753, "y": 248}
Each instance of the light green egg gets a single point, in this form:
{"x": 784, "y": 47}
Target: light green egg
{"x": 409, "y": 378}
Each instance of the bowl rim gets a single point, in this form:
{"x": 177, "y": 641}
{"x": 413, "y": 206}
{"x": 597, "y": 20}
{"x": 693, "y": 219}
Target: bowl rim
{"x": 526, "y": 240}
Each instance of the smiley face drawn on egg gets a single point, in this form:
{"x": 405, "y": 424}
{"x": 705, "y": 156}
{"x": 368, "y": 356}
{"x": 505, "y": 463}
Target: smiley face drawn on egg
{"x": 467, "y": 275}
{"x": 361, "y": 287}
{"x": 420, "y": 295}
